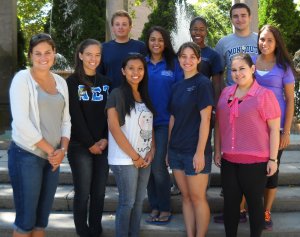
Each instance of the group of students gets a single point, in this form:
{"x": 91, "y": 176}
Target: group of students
{"x": 140, "y": 108}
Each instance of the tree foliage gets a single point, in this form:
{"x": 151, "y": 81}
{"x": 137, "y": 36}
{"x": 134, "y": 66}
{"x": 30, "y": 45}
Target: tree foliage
{"x": 162, "y": 15}
{"x": 74, "y": 21}
{"x": 282, "y": 14}
{"x": 216, "y": 13}
{"x": 33, "y": 16}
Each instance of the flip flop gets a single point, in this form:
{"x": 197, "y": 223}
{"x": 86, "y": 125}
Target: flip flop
{"x": 163, "y": 220}
{"x": 151, "y": 218}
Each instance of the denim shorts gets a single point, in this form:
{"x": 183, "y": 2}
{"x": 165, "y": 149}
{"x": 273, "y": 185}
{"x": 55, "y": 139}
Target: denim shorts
{"x": 34, "y": 185}
{"x": 184, "y": 161}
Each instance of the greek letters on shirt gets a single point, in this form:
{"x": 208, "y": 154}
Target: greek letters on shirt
{"x": 97, "y": 93}
{"x": 250, "y": 49}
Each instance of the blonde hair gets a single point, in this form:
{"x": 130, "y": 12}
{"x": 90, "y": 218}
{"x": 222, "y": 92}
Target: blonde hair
{"x": 121, "y": 13}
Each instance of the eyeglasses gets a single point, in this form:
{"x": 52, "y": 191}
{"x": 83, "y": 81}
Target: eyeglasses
{"x": 41, "y": 36}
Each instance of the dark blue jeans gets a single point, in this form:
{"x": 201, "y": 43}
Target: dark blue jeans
{"x": 90, "y": 174}
{"x": 34, "y": 185}
{"x": 159, "y": 182}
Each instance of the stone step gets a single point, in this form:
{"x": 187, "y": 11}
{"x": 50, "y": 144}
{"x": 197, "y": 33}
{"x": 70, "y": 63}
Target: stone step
{"x": 289, "y": 170}
{"x": 287, "y": 199}
{"x": 5, "y": 140}
{"x": 61, "y": 225}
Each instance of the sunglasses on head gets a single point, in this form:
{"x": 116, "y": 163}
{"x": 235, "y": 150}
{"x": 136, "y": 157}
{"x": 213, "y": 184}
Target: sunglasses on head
{"x": 41, "y": 36}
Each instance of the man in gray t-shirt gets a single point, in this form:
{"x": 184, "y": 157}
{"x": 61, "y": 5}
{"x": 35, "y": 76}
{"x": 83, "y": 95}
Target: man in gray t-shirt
{"x": 241, "y": 41}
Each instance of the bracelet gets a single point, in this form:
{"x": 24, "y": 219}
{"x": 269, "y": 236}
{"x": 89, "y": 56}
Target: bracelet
{"x": 137, "y": 158}
{"x": 64, "y": 150}
{"x": 284, "y": 132}
{"x": 274, "y": 160}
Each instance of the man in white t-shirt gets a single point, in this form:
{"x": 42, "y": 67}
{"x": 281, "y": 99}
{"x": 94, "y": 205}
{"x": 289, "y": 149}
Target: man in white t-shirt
{"x": 241, "y": 41}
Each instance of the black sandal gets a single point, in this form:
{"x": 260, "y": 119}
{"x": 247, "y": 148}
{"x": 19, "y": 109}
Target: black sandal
{"x": 152, "y": 217}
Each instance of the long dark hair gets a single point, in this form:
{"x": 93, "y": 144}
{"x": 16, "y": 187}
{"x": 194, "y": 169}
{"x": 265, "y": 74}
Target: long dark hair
{"x": 79, "y": 70}
{"x": 168, "y": 53}
{"x": 142, "y": 87}
{"x": 282, "y": 56}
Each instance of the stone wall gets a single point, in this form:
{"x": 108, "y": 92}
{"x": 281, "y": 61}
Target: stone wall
{"x": 8, "y": 46}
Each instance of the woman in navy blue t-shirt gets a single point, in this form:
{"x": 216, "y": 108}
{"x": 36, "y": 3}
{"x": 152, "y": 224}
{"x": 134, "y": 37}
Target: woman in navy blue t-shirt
{"x": 190, "y": 106}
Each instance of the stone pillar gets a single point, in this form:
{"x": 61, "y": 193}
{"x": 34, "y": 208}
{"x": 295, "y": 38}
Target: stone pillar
{"x": 111, "y": 8}
{"x": 253, "y": 4}
{"x": 8, "y": 46}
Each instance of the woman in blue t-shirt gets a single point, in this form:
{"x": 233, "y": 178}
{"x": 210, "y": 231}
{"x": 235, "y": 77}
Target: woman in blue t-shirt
{"x": 190, "y": 106}
{"x": 163, "y": 71}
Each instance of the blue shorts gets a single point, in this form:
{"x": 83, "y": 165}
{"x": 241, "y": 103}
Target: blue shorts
{"x": 184, "y": 161}
{"x": 34, "y": 185}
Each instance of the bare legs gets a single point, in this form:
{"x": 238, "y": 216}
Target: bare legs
{"x": 17, "y": 234}
{"x": 196, "y": 211}
{"x": 34, "y": 233}
{"x": 270, "y": 194}
{"x": 243, "y": 204}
